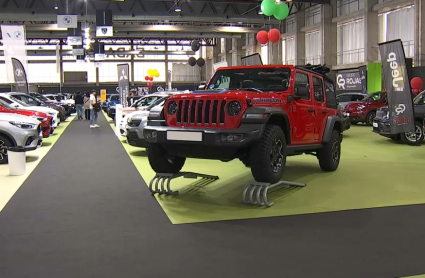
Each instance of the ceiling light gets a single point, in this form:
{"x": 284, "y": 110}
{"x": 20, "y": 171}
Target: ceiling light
{"x": 240, "y": 22}
{"x": 177, "y": 9}
{"x": 260, "y": 12}
{"x": 55, "y": 7}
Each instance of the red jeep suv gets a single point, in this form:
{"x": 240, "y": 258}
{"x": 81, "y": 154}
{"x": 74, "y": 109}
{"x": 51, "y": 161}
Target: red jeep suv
{"x": 258, "y": 114}
{"x": 364, "y": 111}
{"x": 46, "y": 120}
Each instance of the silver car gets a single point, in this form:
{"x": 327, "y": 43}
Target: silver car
{"x": 346, "y": 98}
{"x": 18, "y": 130}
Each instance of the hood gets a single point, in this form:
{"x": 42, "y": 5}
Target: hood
{"x": 134, "y": 114}
{"x": 18, "y": 118}
{"x": 354, "y": 105}
{"x": 47, "y": 110}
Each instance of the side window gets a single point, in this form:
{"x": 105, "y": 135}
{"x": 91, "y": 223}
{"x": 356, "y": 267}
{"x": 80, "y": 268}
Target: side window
{"x": 318, "y": 89}
{"x": 302, "y": 86}
{"x": 6, "y": 100}
{"x": 330, "y": 95}
{"x": 344, "y": 98}
{"x": 357, "y": 97}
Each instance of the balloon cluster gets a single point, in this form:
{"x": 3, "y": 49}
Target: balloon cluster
{"x": 264, "y": 37}
{"x": 416, "y": 83}
{"x": 279, "y": 10}
{"x": 200, "y": 62}
{"x": 151, "y": 74}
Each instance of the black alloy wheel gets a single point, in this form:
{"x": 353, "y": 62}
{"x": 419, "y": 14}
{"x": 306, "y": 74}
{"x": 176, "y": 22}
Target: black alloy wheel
{"x": 330, "y": 155}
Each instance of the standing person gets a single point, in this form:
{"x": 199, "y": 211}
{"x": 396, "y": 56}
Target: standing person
{"x": 94, "y": 109}
{"x": 87, "y": 106}
{"x": 79, "y": 101}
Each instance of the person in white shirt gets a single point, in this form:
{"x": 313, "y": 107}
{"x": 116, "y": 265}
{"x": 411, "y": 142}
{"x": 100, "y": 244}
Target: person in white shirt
{"x": 94, "y": 109}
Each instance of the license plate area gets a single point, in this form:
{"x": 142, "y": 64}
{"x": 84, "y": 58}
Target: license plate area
{"x": 184, "y": 136}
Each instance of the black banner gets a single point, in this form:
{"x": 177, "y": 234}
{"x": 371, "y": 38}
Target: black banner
{"x": 21, "y": 82}
{"x": 397, "y": 85}
{"x": 123, "y": 83}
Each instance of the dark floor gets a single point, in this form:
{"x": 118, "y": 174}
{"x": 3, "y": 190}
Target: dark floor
{"x": 86, "y": 212}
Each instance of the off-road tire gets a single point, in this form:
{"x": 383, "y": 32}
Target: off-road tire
{"x": 406, "y": 140}
{"x": 369, "y": 118}
{"x": 4, "y": 142}
{"x": 162, "y": 162}
{"x": 260, "y": 156}
{"x": 330, "y": 155}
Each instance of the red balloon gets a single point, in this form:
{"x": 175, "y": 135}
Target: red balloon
{"x": 150, "y": 78}
{"x": 150, "y": 84}
{"x": 274, "y": 35}
{"x": 416, "y": 83}
{"x": 262, "y": 37}
{"x": 146, "y": 78}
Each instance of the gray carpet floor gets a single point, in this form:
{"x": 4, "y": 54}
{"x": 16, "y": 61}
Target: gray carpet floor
{"x": 86, "y": 212}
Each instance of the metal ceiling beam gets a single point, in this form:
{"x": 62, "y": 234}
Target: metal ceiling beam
{"x": 29, "y": 16}
{"x": 162, "y": 35}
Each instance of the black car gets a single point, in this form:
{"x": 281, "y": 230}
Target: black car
{"x": 381, "y": 123}
{"x": 33, "y": 100}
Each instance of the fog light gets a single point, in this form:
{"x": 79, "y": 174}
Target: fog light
{"x": 151, "y": 134}
{"x": 231, "y": 138}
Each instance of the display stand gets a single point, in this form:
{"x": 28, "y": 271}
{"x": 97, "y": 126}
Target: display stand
{"x": 255, "y": 193}
{"x": 162, "y": 181}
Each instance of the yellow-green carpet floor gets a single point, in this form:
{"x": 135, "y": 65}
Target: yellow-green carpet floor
{"x": 374, "y": 172}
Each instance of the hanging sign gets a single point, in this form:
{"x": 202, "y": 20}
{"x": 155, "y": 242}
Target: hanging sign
{"x": 67, "y": 21}
{"x": 14, "y": 47}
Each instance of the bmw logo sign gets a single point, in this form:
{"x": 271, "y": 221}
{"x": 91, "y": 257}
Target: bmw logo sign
{"x": 67, "y": 20}
{"x": 18, "y": 35}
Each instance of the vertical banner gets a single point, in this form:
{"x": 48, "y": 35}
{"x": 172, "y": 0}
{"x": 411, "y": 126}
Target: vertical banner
{"x": 58, "y": 59}
{"x": 102, "y": 94}
{"x": 397, "y": 85}
{"x": 123, "y": 83}
{"x": 20, "y": 76}
{"x": 14, "y": 47}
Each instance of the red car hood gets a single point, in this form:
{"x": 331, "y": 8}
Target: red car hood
{"x": 352, "y": 106}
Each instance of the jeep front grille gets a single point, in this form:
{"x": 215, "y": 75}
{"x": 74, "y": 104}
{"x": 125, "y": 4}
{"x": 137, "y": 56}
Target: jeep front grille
{"x": 201, "y": 112}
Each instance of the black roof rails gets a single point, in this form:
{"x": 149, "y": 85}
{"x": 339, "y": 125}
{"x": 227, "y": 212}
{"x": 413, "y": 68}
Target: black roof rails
{"x": 321, "y": 69}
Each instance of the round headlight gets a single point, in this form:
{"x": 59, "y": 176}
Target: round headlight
{"x": 234, "y": 108}
{"x": 172, "y": 108}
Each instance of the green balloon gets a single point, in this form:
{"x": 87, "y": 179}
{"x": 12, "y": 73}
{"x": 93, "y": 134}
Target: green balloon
{"x": 268, "y": 7}
{"x": 281, "y": 12}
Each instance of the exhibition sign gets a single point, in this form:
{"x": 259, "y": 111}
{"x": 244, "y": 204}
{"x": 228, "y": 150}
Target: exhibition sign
{"x": 352, "y": 80}
{"x": 102, "y": 94}
{"x": 123, "y": 83}
{"x": 20, "y": 76}
{"x": 14, "y": 47}
{"x": 397, "y": 85}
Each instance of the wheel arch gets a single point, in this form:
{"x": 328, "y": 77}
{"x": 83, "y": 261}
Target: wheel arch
{"x": 332, "y": 123}
{"x": 8, "y": 136}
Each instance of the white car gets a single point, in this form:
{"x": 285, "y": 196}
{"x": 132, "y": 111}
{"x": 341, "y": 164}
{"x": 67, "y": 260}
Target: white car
{"x": 8, "y": 98}
{"x": 18, "y": 130}
{"x": 124, "y": 121}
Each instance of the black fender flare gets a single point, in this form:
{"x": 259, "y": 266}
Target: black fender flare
{"x": 272, "y": 112}
{"x": 330, "y": 126}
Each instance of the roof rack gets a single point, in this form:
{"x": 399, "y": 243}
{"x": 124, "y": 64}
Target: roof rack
{"x": 321, "y": 69}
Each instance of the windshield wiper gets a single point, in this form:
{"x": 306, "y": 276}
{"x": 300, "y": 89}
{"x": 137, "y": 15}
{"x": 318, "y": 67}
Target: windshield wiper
{"x": 253, "y": 89}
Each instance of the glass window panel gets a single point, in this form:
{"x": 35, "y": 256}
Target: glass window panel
{"x": 42, "y": 73}
{"x": 88, "y": 67}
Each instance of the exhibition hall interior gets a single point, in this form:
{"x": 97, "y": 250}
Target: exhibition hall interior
{"x": 212, "y": 138}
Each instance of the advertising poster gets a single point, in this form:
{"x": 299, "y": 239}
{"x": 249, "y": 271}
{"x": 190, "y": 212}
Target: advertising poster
{"x": 123, "y": 83}
{"x": 20, "y": 76}
{"x": 398, "y": 87}
{"x": 102, "y": 94}
{"x": 14, "y": 47}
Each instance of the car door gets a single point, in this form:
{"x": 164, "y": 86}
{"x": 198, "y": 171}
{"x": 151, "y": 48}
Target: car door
{"x": 303, "y": 110}
{"x": 321, "y": 113}
{"x": 420, "y": 108}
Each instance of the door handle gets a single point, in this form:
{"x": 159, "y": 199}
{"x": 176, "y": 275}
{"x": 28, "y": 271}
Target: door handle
{"x": 324, "y": 112}
{"x": 311, "y": 110}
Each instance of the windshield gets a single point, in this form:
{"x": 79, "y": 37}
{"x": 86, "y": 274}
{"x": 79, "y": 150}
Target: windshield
{"x": 115, "y": 98}
{"x": 6, "y": 105}
{"x": 419, "y": 99}
{"x": 19, "y": 101}
{"x": 374, "y": 97}
{"x": 264, "y": 79}
{"x": 158, "y": 102}
{"x": 41, "y": 97}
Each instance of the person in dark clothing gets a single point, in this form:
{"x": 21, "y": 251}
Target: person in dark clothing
{"x": 79, "y": 102}
{"x": 87, "y": 106}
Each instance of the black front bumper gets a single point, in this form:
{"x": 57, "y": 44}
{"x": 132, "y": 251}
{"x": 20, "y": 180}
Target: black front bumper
{"x": 382, "y": 127}
{"x": 209, "y": 137}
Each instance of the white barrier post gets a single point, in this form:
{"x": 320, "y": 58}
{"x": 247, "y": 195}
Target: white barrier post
{"x": 118, "y": 118}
